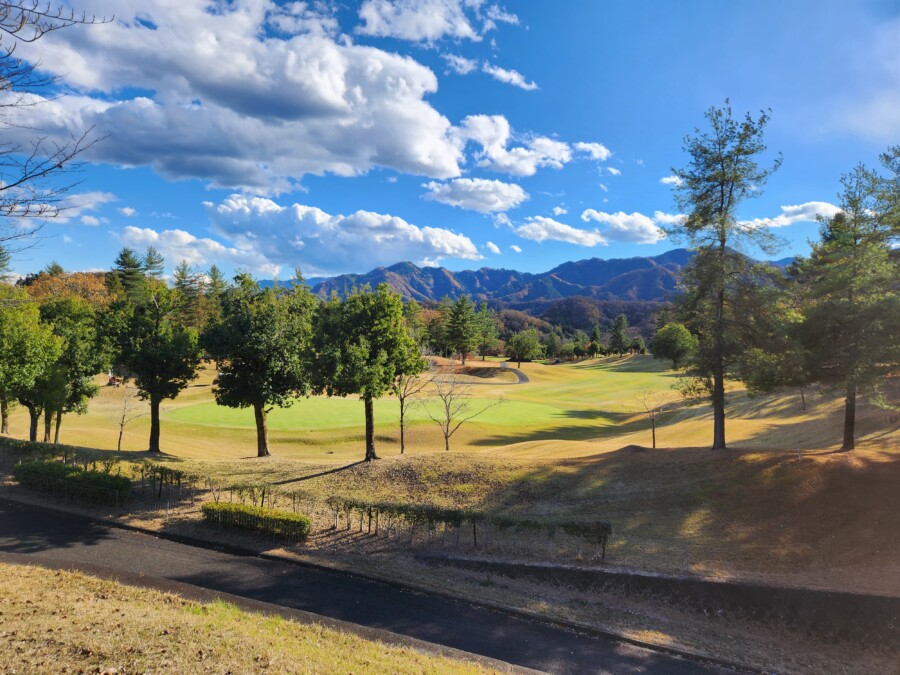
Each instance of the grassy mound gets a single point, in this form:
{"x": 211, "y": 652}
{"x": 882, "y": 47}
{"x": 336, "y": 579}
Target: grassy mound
{"x": 52, "y": 619}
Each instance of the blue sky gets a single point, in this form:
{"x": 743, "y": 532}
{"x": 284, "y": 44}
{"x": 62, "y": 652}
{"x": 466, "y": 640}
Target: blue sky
{"x": 341, "y": 136}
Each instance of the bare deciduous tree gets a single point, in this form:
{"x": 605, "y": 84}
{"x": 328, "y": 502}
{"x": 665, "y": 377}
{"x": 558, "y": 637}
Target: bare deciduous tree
{"x": 455, "y": 405}
{"x": 652, "y": 406}
{"x": 133, "y": 407}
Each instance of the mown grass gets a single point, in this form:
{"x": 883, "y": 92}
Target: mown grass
{"x": 53, "y": 621}
{"x": 571, "y": 443}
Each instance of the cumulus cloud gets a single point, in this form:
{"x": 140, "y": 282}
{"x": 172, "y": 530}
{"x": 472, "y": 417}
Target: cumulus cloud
{"x": 672, "y": 180}
{"x": 178, "y": 245}
{"x": 477, "y": 194}
{"x": 493, "y": 134}
{"x": 513, "y": 77}
{"x": 539, "y": 228}
{"x": 560, "y": 211}
{"x": 596, "y": 151}
{"x": 322, "y": 243}
{"x": 231, "y": 99}
{"x": 799, "y": 213}
{"x": 613, "y": 171}
{"x": 515, "y": 249}
{"x": 90, "y": 221}
{"x": 127, "y": 211}
{"x": 631, "y": 228}
{"x": 431, "y": 20}
{"x": 492, "y": 247}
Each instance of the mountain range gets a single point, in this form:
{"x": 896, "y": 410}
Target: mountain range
{"x": 572, "y": 295}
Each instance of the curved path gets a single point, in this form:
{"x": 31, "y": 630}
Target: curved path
{"x": 29, "y": 530}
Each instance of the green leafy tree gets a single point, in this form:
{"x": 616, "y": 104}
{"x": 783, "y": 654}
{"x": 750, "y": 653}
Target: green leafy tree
{"x": 851, "y": 310}
{"x": 580, "y": 344}
{"x": 488, "y": 329}
{"x": 27, "y": 349}
{"x": 360, "y": 347}
{"x": 637, "y": 346}
{"x": 595, "y": 346}
{"x": 5, "y": 261}
{"x": 437, "y": 331}
{"x": 161, "y": 355}
{"x": 619, "y": 342}
{"x": 260, "y": 345}
{"x": 462, "y": 327}
{"x": 524, "y": 346}
{"x": 723, "y": 170}
{"x": 673, "y": 342}
{"x": 213, "y": 291}
{"x": 415, "y": 326}
{"x": 84, "y": 354}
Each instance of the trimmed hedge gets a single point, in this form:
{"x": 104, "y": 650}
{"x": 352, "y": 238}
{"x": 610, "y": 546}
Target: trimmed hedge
{"x": 267, "y": 521}
{"x": 73, "y": 481}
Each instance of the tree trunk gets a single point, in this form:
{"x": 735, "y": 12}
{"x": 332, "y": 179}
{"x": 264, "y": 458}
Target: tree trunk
{"x": 370, "y": 428}
{"x": 4, "y": 416}
{"x": 718, "y": 394}
{"x": 402, "y": 425}
{"x": 48, "y": 424}
{"x": 119, "y": 444}
{"x": 262, "y": 430}
{"x": 447, "y": 442}
{"x": 34, "y": 415}
{"x": 802, "y": 398}
{"x": 58, "y": 425}
{"x": 154, "y": 425}
{"x": 653, "y": 428}
{"x": 850, "y": 417}
{"x": 463, "y": 355}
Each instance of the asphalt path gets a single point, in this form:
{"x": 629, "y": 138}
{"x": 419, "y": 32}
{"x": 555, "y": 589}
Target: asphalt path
{"x": 29, "y": 530}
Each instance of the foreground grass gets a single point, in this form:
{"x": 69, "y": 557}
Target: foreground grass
{"x": 55, "y": 621}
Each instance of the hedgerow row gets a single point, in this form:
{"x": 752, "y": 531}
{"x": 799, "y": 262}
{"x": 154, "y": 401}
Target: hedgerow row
{"x": 73, "y": 481}
{"x": 268, "y": 521}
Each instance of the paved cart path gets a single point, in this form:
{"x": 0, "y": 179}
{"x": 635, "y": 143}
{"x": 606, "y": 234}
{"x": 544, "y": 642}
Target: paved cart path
{"x": 29, "y": 530}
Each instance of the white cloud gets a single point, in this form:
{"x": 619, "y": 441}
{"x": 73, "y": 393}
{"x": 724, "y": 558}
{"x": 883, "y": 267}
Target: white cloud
{"x": 515, "y": 249}
{"x": 513, "y": 77}
{"x": 596, "y": 151}
{"x": 178, "y": 245}
{"x": 632, "y": 228}
{"x": 459, "y": 64}
{"x": 127, "y": 211}
{"x": 502, "y": 220}
{"x": 604, "y": 187}
{"x": 672, "y": 180}
{"x": 613, "y": 171}
{"x": 322, "y": 243}
{"x": 539, "y": 228}
{"x": 668, "y": 218}
{"x": 237, "y": 103}
{"x": 493, "y": 133}
{"x": 560, "y": 211}
{"x": 800, "y": 213}
{"x": 77, "y": 205}
{"x": 477, "y": 194}
{"x": 492, "y": 247}
{"x": 431, "y": 20}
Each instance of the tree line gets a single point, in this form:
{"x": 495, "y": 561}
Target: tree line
{"x": 270, "y": 345}
{"x": 831, "y": 318}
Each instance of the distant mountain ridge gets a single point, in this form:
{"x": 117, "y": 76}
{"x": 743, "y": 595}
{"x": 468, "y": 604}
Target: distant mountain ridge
{"x": 616, "y": 279}
{"x": 573, "y": 295}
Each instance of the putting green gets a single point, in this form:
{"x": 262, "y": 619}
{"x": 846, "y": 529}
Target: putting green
{"x": 338, "y": 413}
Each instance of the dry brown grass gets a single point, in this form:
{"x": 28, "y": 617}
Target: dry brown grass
{"x": 55, "y": 622}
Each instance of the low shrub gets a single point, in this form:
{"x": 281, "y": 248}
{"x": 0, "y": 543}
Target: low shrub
{"x": 268, "y": 521}
{"x": 73, "y": 481}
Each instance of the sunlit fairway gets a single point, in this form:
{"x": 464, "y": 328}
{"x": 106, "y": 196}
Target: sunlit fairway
{"x": 571, "y": 442}
{"x": 563, "y": 410}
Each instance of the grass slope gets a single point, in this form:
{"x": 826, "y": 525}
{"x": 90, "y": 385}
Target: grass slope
{"x": 52, "y": 621}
